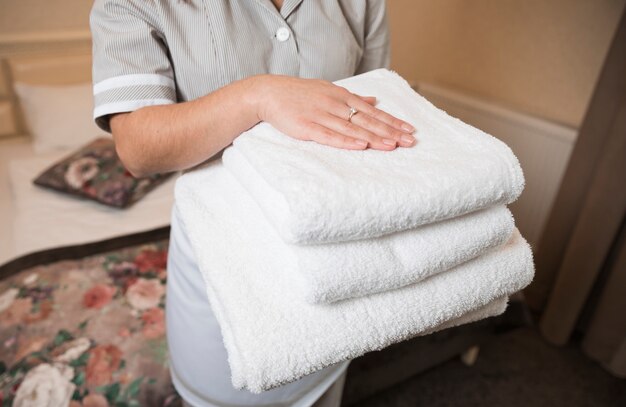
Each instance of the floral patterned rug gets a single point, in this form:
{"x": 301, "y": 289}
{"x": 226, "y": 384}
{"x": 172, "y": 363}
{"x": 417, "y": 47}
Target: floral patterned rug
{"x": 88, "y": 332}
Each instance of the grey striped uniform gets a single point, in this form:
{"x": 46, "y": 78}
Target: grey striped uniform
{"x": 153, "y": 52}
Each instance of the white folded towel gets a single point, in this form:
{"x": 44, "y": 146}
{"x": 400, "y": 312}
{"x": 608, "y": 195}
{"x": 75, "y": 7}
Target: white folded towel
{"x": 273, "y": 336}
{"x": 336, "y": 271}
{"x": 314, "y": 193}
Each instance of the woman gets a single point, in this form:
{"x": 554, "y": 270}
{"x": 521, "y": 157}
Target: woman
{"x": 176, "y": 81}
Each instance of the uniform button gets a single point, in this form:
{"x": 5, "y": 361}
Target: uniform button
{"x": 282, "y": 34}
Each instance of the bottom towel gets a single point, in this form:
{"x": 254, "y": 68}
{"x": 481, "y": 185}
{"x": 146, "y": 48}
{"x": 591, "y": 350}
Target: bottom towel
{"x": 273, "y": 336}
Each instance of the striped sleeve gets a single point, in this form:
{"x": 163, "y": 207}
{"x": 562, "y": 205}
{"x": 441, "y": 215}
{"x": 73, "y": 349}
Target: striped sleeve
{"x": 131, "y": 67}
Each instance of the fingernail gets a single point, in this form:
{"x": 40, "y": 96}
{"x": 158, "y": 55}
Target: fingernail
{"x": 407, "y": 127}
{"x": 407, "y": 139}
{"x": 389, "y": 142}
{"x": 360, "y": 143}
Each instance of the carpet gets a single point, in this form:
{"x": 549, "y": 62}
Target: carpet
{"x": 89, "y": 330}
{"x": 516, "y": 368}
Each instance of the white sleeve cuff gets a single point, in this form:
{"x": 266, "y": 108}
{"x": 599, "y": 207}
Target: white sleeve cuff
{"x": 128, "y": 106}
{"x": 133, "y": 80}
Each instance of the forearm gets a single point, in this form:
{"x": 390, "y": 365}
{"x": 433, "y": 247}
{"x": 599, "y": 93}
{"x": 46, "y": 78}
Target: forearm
{"x": 174, "y": 137}
{"x": 179, "y": 136}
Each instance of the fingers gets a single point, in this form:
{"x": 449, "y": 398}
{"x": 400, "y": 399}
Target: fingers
{"x": 381, "y": 135}
{"x": 353, "y": 130}
{"x": 383, "y": 130}
{"x": 369, "y": 99}
{"x": 358, "y": 103}
{"x": 324, "y": 135}
{"x": 326, "y": 119}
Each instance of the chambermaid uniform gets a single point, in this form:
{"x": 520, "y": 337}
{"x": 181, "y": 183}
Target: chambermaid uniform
{"x": 156, "y": 52}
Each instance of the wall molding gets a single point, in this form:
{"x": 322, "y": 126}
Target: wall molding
{"x": 43, "y": 41}
{"x": 44, "y": 37}
{"x": 543, "y": 148}
{"x": 514, "y": 117}
{"x": 25, "y": 46}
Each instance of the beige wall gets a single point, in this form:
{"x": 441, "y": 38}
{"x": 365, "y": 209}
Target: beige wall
{"x": 27, "y": 16}
{"x": 539, "y": 56}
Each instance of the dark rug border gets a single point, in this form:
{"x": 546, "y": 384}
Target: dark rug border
{"x": 75, "y": 252}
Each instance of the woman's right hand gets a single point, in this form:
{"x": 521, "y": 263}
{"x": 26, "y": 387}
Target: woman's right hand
{"x": 317, "y": 110}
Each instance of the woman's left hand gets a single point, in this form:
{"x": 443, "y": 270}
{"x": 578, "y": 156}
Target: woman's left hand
{"x": 317, "y": 110}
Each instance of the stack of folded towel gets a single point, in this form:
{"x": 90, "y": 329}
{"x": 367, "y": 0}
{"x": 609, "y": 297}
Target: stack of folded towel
{"x": 313, "y": 255}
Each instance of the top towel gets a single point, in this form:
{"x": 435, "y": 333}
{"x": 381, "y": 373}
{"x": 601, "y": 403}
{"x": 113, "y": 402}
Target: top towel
{"x": 313, "y": 193}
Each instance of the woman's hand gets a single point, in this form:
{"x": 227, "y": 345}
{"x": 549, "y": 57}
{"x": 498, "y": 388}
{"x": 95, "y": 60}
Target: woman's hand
{"x": 317, "y": 110}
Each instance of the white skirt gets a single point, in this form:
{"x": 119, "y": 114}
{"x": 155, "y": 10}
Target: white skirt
{"x": 198, "y": 359}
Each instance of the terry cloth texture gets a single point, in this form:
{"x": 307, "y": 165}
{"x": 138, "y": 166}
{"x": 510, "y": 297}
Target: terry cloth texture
{"x": 274, "y": 336}
{"x": 313, "y": 193}
{"x": 336, "y": 271}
